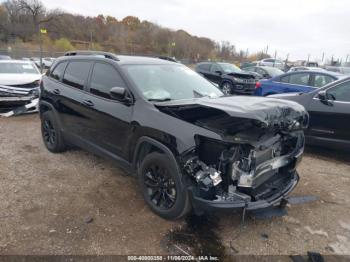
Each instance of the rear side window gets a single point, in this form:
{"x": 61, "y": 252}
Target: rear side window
{"x": 340, "y": 92}
{"x": 76, "y": 74}
{"x": 321, "y": 80}
{"x": 58, "y": 71}
{"x": 103, "y": 78}
{"x": 299, "y": 79}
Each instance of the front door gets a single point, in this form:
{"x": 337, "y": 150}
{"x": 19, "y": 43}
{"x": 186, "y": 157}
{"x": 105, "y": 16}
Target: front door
{"x": 108, "y": 120}
{"x": 331, "y": 119}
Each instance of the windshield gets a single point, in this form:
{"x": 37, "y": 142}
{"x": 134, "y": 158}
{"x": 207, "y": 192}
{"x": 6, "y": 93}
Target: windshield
{"x": 170, "y": 82}
{"x": 273, "y": 71}
{"x": 230, "y": 68}
{"x": 18, "y": 68}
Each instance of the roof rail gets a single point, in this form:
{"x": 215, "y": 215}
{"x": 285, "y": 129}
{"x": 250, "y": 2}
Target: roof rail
{"x": 89, "y": 52}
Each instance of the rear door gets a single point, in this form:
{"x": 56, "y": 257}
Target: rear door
{"x": 295, "y": 82}
{"x": 215, "y": 73}
{"x": 331, "y": 119}
{"x": 107, "y": 120}
{"x": 71, "y": 93}
{"x": 319, "y": 80}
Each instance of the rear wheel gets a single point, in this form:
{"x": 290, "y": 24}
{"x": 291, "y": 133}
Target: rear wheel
{"x": 162, "y": 188}
{"x": 51, "y": 133}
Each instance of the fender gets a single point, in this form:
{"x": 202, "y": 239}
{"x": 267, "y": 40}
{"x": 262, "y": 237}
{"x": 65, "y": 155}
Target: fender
{"x": 52, "y": 108}
{"x": 164, "y": 148}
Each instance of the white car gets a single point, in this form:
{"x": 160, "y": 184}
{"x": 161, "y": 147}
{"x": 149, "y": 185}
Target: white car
{"x": 272, "y": 62}
{"x": 19, "y": 87}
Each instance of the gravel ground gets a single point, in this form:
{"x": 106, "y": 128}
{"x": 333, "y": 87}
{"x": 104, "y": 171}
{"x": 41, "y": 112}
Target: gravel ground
{"x": 78, "y": 203}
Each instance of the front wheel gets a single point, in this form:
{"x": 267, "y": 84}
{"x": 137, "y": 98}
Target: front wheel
{"x": 226, "y": 88}
{"x": 162, "y": 187}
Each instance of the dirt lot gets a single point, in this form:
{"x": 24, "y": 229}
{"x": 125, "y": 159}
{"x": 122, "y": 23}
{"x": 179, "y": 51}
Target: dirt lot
{"x": 77, "y": 203}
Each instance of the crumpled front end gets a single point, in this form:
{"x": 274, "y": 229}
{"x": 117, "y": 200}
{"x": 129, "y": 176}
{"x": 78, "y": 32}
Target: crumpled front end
{"x": 252, "y": 170}
{"x": 18, "y": 100}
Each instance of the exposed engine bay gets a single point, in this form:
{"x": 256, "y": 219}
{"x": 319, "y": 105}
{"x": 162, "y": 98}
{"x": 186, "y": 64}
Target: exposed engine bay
{"x": 247, "y": 172}
{"x": 261, "y": 143}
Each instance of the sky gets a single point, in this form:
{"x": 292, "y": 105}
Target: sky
{"x": 295, "y": 27}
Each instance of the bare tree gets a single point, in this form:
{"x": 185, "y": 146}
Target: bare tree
{"x": 39, "y": 16}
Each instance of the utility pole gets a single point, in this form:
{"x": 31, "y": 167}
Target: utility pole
{"x": 90, "y": 47}
{"x": 267, "y": 49}
{"x": 246, "y": 54}
{"x": 308, "y": 58}
{"x": 322, "y": 57}
{"x": 346, "y": 60}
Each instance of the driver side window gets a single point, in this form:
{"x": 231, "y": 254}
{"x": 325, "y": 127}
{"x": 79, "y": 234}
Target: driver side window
{"x": 215, "y": 68}
{"x": 340, "y": 92}
{"x": 103, "y": 78}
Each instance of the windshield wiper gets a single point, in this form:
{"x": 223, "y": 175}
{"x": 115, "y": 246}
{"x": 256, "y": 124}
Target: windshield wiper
{"x": 159, "y": 99}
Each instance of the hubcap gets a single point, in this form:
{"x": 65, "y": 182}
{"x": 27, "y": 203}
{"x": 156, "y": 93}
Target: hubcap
{"x": 160, "y": 186}
{"x": 226, "y": 88}
{"x": 49, "y": 132}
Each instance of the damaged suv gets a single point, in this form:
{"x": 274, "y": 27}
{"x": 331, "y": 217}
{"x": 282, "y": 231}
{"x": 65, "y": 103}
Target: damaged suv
{"x": 190, "y": 146}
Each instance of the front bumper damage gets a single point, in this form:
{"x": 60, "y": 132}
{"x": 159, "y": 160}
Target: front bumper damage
{"x": 258, "y": 178}
{"x": 17, "y": 100}
{"x": 199, "y": 204}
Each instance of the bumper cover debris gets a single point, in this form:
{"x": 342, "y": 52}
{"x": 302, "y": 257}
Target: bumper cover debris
{"x": 16, "y": 100}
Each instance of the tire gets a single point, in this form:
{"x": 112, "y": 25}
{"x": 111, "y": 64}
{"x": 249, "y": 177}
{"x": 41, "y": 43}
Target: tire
{"x": 51, "y": 133}
{"x": 227, "y": 88}
{"x": 162, "y": 188}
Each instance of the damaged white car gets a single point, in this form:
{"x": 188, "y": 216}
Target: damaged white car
{"x": 19, "y": 87}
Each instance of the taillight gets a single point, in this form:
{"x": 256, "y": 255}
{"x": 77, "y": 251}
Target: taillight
{"x": 257, "y": 85}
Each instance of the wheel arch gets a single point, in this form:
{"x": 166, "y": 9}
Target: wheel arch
{"x": 146, "y": 145}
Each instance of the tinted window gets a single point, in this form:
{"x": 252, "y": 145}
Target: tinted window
{"x": 321, "y": 80}
{"x": 58, "y": 71}
{"x": 204, "y": 67}
{"x": 76, "y": 74}
{"x": 214, "y": 68}
{"x": 285, "y": 79}
{"x": 340, "y": 92}
{"x": 103, "y": 78}
{"x": 299, "y": 79}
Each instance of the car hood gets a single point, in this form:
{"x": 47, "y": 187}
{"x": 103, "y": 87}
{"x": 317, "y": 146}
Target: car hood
{"x": 18, "y": 79}
{"x": 241, "y": 74}
{"x": 269, "y": 111}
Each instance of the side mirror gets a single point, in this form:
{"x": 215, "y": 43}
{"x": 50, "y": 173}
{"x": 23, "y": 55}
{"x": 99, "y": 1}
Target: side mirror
{"x": 322, "y": 95}
{"x": 120, "y": 94}
{"x": 218, "y": 72}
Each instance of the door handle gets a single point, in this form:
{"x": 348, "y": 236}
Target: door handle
{"x": 88, "y": 103}
{"x": 56, "y": 91}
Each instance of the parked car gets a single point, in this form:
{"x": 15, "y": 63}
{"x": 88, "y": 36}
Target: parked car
{"x": 244, "y": 65}
{"x": 329, "y": 109}
{"x": 19, "y": 86}
{"x": 272, "y": 62}
{"x": 339, "y": 69}
{"x": 265, "y": 72}
{"x": 5, "y": 57}
{"x": 189, "y": 145}
{"x": 230, "y": 78}
{"x": 36, "y": 60}
{"x": 305, "y": 68}
{"x": 301, "y": 81}
{"x": 47, "y": 61}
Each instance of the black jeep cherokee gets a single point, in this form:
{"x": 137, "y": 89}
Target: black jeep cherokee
{"x": 189, "y": 145}
{"x": 230, "y": 78}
